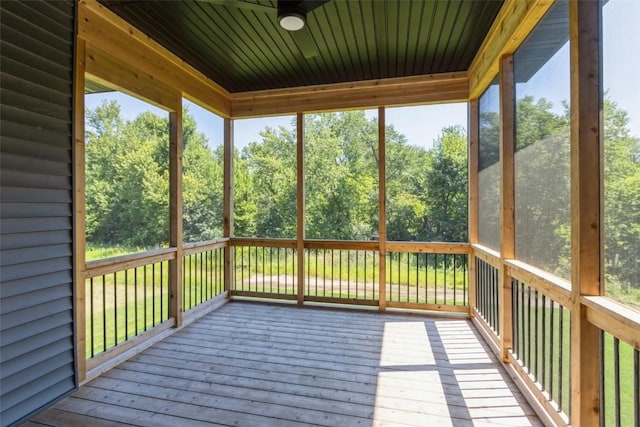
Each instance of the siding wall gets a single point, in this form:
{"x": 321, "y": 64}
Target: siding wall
{"x": 36, "y": 301}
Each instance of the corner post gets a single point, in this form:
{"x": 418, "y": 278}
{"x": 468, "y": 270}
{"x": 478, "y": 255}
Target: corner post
{"x": 228, "y": 204}
{"x": 382, "y": 211}
{"x": 507, "y": 200}
{"x": 175, "y": 213}
{"x": 300, "y": 206}
{"x": 79, "y": 203}
{"x": 474, "y": 143}
{"x": 586, "y": 205}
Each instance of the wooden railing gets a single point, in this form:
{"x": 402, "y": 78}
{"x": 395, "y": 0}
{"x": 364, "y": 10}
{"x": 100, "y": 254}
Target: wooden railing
{"x": 341, "y": 272}
{"x": 539, "y": 355}
{"x": 619, "y": 360}
{"x": 486, "y": 304}
{"x": 202, "y": 272}
{"x": 416, "y": 275}
{"x": 265, "y": 268}
{"x": 430, "y": 276}
{"x": 541, "y": 346}
{"x": 126, "y": 297}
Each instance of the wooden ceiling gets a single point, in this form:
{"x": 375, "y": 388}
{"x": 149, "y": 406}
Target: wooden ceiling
{"x": 244, "y": 49}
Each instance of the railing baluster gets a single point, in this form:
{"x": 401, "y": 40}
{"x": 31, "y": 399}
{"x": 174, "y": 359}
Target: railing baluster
{"x": 636, "y": 386}
{"x": 115, "y": 308}
{"x": 616, "y": 379}
{"x": 544, "y": 339}
{"x": 92, "y": 318}
{"x": 552, "y": 345}
{"x": 603, "y": 394}
{"x": 104, "y": 313}
{"x": 560, "y": 357}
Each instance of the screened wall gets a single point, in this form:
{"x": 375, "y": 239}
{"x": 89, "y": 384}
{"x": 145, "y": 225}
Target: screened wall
{"x": 489, "y": 167}
{"x": 542, "y": 140}
{"x": 621, "y": 151}
{"x": 265, "y": 177}
{"x": 426, "y": 173}
{"x": 202, "y": 173}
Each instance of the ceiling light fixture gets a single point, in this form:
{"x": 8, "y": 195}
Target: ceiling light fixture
{"x": 291, "y": 15}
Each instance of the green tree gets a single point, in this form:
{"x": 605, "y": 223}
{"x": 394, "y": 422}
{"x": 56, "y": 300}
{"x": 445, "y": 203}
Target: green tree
{"x": 621, "y": 201}
{"x": 447, "y": 187}
{"x": 127, "y": 180}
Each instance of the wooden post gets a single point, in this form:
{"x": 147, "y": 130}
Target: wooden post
{"x": 301, "y": 207}
{"x": 175, "y": 214}
{"x": 79, "y": 204}
{"x": 474, "y": 143}
{"x": 382, "y": 211}
{"x": 586, "y": 220}
{"x": 228, "y": 204}
{"x": 507, "y": 199}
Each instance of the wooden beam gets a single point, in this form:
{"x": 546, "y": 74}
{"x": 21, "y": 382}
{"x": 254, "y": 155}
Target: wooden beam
{"x": 79, "y": 216}
{"x": 175, "y": 215}
{"x": 474, "y": 153}
{"x": 507, "y": 199}
{"x": 111, "y": 72}
{"x": 300, "y": 205}
{"x": 382, "y": 210}
{"x": 228, "y": 203}
{"x": 434, "y": 88}
{"x": 513, "y": 24}
{"x": 118, "y": 39}
{"x": 586, "y": 220}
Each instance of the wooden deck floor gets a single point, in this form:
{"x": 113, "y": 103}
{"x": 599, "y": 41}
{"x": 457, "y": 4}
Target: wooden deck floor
{"x": 250, "y": 364}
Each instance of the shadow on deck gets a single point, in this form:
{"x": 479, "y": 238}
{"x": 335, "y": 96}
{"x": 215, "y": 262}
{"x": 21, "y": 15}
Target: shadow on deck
{"x": 249, "y": 364}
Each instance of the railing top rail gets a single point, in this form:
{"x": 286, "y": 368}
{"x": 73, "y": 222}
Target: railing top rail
{"x": 614, "y": 318}
{"x": 342, "y": 244}
{"x": 486, "y": 253}
{"x": 548, "y": 284}
{"x": 263, "y": 242}
{"x": 429, "y": 247}
{"x": 126, "y": 262}
{"x": 191, "y": 248}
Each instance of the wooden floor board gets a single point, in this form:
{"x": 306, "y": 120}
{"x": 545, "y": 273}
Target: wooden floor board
{"x": 249, "y": 364}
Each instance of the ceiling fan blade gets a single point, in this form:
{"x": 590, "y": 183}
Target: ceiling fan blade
{"x": 240, "y": 4}
{"x": 305, "y": 42}
{"x": 310, "y": 5}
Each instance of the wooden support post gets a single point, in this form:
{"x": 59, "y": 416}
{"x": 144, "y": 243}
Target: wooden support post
{"x": 175, "y": 214}
{"x": 228, "y": 204}
{"x": 300, "y": 192}
{"x": 79, "y": 205}
{"x": 474, "y": 144}
{"x": 507, "y": 199}
{"x": 382, "y": 211}
{"x": 586, "y": 205}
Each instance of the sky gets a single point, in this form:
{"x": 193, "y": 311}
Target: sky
{"x": 422, "y": 124}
